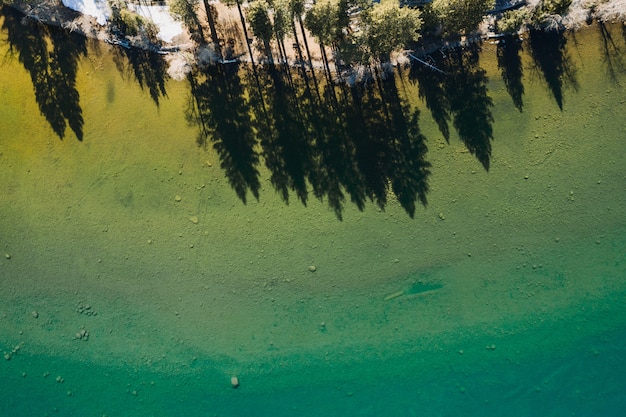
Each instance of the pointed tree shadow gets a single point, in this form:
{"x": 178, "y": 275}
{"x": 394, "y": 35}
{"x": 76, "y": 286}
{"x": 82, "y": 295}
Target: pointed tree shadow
{"x": 612, "y": 53}
{"x": 149, "y": 69}
{"x": 287, "y": 146}
{"x": 510, "y": 63}
{"x": 389, "y": 149}
{"x": 50, "y": 55}
{"x": 334, "y": 172}
{"x": 220, "y": 108}
{"x": 547, "y": 49}
{"x": 466, "y": 89}
{"x": 431, "y": 89}
{"x": 407, "y": 169}
{"x": 361, "y": 142}
{"x": 459, "y": 95}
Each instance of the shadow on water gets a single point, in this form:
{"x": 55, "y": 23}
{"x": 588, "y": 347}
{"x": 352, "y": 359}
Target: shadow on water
{"x": 358, "y": 142}
{"x": 219, "y": 106}
{"x": 461, "y": 96}
{"x": 148, "y": 68}
{"x": 612, "y": 53}
{"x": 287, "y": 148}
{"x": 51, "y": 56}
{"x": 390, "y": 149}
{"x": 431, "y": 89}
{"x": 510, "y": 64}
{"x": 548, "y": 51}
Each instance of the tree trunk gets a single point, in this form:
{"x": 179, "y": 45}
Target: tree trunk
{"x": 209, "y": 16}
{"x": 268, "y": 51}
{"x": 306, "y": 44}
{"x": 329, "y": 76}
{"x": 245, "y": 34}
{"x": 285, "y": 59}
{"x": 297, "y": 42}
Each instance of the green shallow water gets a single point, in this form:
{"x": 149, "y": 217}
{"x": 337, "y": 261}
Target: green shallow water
{"x": 504, "y": 295}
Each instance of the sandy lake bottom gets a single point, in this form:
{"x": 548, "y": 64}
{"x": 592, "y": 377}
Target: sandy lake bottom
{"x": 135, "y": 282}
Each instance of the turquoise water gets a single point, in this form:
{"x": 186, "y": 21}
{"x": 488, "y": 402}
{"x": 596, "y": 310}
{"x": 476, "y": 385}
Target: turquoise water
{"x": 229, "y": 225}
{"x": 586, "y": 380}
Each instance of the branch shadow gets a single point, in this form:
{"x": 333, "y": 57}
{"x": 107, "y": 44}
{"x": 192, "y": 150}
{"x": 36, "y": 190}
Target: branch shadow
{"x": 510, "y": 63}
{"x": 349, "y": 142}
{"x": 50, "y": 55}
{"x": 367, "y": 145}
{"x": 219, "y": 106}
{"x": 287, "y": 145}
{"x": 612, "y": 53}
{"x": 389, "y": 148}
{"x": 551, "y": 59}
{"x": 148, "y": 68}
{"x": 466, "y": 87}
{"x": 431, "y": 89}
{"x": 459, "y": 95}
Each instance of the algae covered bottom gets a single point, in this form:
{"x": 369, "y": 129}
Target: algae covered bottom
{"x": 143, "y": 269}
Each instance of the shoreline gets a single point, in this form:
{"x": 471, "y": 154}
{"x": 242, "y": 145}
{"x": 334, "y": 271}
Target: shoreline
{"x": 189, "y": 54}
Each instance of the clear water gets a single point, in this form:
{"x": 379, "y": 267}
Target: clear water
{"x": 504, "y": 295}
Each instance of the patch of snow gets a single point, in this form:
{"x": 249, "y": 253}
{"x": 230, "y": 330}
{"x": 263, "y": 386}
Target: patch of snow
{"x": 161, "y": 17}
{"x": 612, "y": 10}
{"x": 96, "y": 8}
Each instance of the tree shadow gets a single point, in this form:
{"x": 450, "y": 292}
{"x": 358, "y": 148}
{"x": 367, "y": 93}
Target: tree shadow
{"x": 391, "y": 150}
{"x": 287, "y": 144}
{"x": 466, "y": 88}
{"x": 431, "y": 89}
{"x": 612, "y": 53}
{"x": 220, "y": 108}
{"x": 510, "y": 63}
{"x": 148, "y": 68}
{"x": 50, "y": 55}
{"x": 547, "y": 49}
{"x": 359, "y": 143}
{"x": 335, "y": 172}
{"x": 459, "y": 95}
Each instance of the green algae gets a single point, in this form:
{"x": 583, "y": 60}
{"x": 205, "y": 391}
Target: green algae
{"x": 529, "y": 255}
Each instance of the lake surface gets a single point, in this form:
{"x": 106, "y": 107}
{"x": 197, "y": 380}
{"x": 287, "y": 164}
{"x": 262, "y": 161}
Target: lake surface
{"x": 425, "y": 245}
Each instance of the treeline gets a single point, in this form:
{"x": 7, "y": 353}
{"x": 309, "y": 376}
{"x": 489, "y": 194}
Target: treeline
{"x": 356, "y": 31}
{"x": 361, "y": 32}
